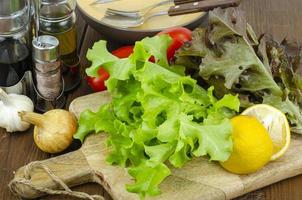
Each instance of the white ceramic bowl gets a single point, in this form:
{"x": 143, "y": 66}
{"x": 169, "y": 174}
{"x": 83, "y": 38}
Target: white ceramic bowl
{"x": 93, "y": 14}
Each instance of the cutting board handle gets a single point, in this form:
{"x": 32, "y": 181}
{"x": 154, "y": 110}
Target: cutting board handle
{"x": 54, "y": 176}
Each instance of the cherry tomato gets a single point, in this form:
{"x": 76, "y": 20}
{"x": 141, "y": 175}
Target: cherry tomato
{"x": 98, "y": 83}
{"x": 126, "y": 51}
{"x": 123, "y": 52}
{"x": 179, "y": 36}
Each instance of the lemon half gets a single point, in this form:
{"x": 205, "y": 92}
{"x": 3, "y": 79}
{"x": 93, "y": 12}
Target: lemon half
{"x": 253, "y": 147}
{"x": 276, "y": 124}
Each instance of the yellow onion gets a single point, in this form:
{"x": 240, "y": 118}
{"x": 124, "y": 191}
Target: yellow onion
{"x": 53, "y": 130}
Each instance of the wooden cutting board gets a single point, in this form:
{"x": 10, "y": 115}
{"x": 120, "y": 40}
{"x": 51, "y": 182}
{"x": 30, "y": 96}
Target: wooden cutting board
{"x": 197, "y": 180}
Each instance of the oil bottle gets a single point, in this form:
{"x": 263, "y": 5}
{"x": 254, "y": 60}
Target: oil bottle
{"x": 15, "y": 37}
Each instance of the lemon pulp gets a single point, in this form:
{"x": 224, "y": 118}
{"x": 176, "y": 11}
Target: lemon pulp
{"x": 277, "y": 125}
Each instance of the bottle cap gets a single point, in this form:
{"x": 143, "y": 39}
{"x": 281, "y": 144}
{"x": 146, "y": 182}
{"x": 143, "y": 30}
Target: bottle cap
{"x": 45, "y": 48}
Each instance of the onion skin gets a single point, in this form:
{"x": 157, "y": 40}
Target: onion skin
{"x": 53, "y": 131}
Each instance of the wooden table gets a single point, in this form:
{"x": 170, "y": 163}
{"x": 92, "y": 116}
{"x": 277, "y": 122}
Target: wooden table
{"x": 281, "y": 18}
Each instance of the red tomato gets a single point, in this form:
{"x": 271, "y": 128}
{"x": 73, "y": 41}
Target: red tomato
{"x": 179, "y": 36}
{"x": 98, "y": 83}
{"x": 123, "y": 52}
{"x": 126, "y": 51}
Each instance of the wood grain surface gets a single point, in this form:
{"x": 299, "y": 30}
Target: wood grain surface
{"x": 281, "y": 18}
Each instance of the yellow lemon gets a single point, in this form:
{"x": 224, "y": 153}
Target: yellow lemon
{"x": 277, "y": 125}
{"x": 252, "y": 148}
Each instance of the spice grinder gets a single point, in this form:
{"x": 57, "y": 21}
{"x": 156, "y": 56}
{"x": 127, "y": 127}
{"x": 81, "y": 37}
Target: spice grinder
{"x": 15, "y": 37}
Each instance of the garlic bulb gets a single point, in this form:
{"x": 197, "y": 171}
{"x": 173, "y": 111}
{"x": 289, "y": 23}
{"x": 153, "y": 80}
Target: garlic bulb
{"x": 10, "y": 105}
{"x": 54, "y": 129}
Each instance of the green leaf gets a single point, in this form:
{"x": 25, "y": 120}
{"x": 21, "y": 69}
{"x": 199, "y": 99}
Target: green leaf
{"x": 157, "y": 115}
{"x": 147, "y": 178}
{"x": 227, "y": 53}
{"x": 144, "y": 134}
{"x": 180, "y": 156}
{"x": 98, "y": 55}
{"x": 168, "y": 131}
{"x": 159, "y": 153}
{"x": 238, "y": 59}
{"x": 105, "y": 119}
{"x": 157, "y": 46}
{"x": 87, "y": 122}
{"x": 228, "y": 101}
{"x": 211, "y": 139}
{"x": 228, "y": 56}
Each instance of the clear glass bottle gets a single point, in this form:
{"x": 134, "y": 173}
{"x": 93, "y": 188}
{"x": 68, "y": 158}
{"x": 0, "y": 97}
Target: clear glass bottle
{"x": 15, "y": 37}
{"x": 57, "y": 18}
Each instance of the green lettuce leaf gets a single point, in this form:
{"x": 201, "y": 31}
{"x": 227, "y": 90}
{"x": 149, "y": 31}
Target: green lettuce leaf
{"x": 88, "y": 120}
{"x": 98, "y": 57}
{"x": 157, "y": 115}
{"x": 148, "y": 179}
{"x": 159, "y": 50}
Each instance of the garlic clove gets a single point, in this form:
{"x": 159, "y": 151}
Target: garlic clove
{"x": 10, "y": 105}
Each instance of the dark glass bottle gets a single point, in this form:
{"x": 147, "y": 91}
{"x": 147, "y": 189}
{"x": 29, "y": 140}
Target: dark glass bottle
{"x": 15, "y": 58}
{"x": 14, "y": 61}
